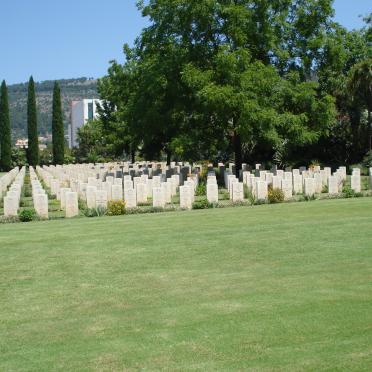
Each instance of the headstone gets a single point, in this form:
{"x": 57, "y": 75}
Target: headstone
{"x": 72, "y": 204}
{"x": 41, "y": 205}
{"x": 237, "y": 192}
{"x": 286, "y": 186}
{"x": 318, "y": 183}
{"x": 297, "y": 183}
{"x": 333, "y": 185}
{"x": 130, "y": 198}
{"x": 309, "y": 186}
{"x": 116, "y": 192}
{"x": 11, "y": 206}
{"x": 355, "y": 182}
{"x": 158, "y": 197}
{"x": 63, "y": 192}
{"x": 261, "y": 190}
{"x": 185, "y": 197}
{"x": 141, "y": 193}
{"x": 101, "y": 199}
{"x": 91, "y": 196}
{"x": 212, "y": 192}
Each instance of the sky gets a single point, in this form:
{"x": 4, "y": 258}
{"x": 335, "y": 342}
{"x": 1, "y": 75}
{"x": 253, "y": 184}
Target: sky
{"x": 53, "y": 39}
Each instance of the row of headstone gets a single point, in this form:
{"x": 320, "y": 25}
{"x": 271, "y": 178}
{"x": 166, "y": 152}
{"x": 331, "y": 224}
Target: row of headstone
{"x": 68, "y": 197}
{"x": 12, "y": 197}
{"x": 6, "y": 180}
{"x": 39, "y": 195}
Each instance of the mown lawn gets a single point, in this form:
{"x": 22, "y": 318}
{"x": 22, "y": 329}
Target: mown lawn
{"x": 275, "y": 287}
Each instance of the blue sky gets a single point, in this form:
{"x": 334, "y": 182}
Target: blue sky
{"x": 72, "y": 38}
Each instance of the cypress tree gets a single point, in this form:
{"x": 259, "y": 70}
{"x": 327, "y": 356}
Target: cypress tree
{"x": 5, "y": 135}
{"x": 57, "y": 127}
{"x": 33, "y": 142}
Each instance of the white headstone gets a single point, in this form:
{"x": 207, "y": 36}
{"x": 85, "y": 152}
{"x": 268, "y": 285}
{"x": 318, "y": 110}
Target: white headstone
{"x": 355, "y": 182}
{"x": 212, "y": 192}
{"x": 130, "y": 198}
{"x": 158, "y": 197}
{"x": 261, "y": 190}
{"x": 286, "y": 186}
{"x": 116, "y": 192}
{"x": 41, "y": 205}
{"x": 101, "y": 199}
{"x": 72, "y": 204}
{"x": 185, "y": 197}
{"x": 309, "y": 186}
{"x": 237, "y": 192}
{"x": 333, "y": 185}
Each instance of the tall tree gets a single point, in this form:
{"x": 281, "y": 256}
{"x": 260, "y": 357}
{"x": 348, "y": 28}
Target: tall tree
{"x": 57, "y": 127}
{"x": 33, "y": 142}
{"x": 5, "y": 135}
{"x": 360, "y": 84}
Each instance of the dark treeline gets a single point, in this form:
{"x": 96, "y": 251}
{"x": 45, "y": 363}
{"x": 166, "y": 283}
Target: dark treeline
{"x": 268, "y": 81}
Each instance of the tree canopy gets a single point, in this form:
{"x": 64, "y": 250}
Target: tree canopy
{"x": 243, "y": 80}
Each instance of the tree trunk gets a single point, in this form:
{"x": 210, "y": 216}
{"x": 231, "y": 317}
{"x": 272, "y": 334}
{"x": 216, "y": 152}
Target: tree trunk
{"x": 169, "y": 157}
{"x": 370, "y": 129}
{"x": 238, "y": 153}
{"x": 133, "y": 156}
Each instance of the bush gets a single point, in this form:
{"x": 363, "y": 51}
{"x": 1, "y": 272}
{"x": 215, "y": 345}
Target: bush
{"x": 202, "y": 204}
{"x": 27, "y": 215}
{"x": 348, "y": 192}
{"x": 201, "y": 190}
{"x": 367, "y": 160}
{"x": 116, "y": 208}
{"x": 249, "y": 195}
{"x": 95, "y": 212}
{"x": 276, "y": 196}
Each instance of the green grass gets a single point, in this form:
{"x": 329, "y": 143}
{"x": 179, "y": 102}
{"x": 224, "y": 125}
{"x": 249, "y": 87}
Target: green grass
{"x": 282, "y": 287}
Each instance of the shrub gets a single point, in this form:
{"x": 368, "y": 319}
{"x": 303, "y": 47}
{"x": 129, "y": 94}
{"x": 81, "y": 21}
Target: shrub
{"x": 116, "y": 208}
{"x": 325, "y": 189}
{"x": 201, "y": 190}
{"x": 348, "y": 192}
{"x": 95, "y": 212}
{"x": 276, "y": 196}
{"x": 27, "y": 215}
{"x": 202, "y": 204}
{"x": 367, "y": 160}
{"x": 249, "y": 195}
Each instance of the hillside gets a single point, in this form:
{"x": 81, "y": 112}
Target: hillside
{"x": 71, "y": 89}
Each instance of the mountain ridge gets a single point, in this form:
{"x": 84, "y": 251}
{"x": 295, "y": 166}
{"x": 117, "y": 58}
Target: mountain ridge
{"x": 71, "y": 90}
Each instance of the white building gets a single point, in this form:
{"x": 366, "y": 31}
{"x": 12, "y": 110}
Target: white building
{"x": 81, "y": 112}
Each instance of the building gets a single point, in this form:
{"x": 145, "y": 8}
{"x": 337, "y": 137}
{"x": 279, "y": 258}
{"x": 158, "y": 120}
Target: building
{"x": 81, "y": 112}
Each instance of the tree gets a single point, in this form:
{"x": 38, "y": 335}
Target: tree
{"x": 57, "y": 127}
{"x": 33, "y": 142}
{"x": 5, "y": 133}
{"x": 360, "y": 84}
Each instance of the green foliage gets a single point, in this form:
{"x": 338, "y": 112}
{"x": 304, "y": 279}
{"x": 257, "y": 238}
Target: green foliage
{"x": 95, "y": 212}
{"x": 5, "y": 134}
{"x": 33, "y": 141}
{"x": 201, "y": 189}
{"x": 27, "y": 215}
{"x": 348, "y": 192}
{"x": 275, "y": 196}
{"x": 19, "y": 157}
{"x": 367, "y": 160}
{"x": 202, "y": 203}
{"x": 116, "y": 208}
{"x": 57, "y": 127}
